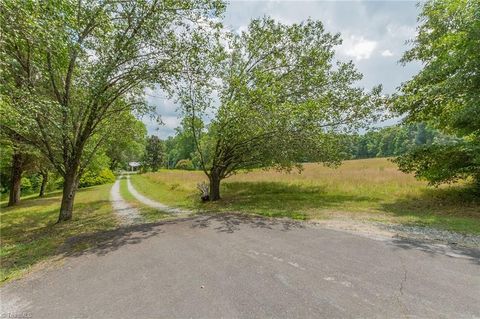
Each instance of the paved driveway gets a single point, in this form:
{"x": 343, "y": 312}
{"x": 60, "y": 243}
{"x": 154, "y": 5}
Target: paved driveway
{"x": 238, "y": 267}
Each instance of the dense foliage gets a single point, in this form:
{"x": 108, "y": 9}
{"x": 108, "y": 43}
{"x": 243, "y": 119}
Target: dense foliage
{"x": 184, "y": 164}
{"x": 445, "y": 94}
{"x": 74, "y": 71}
{"x": 180, "y": 146}
{"x": 92, "y": 178}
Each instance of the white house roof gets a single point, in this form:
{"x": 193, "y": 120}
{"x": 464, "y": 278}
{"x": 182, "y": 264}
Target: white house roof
{"x": 134, "y": 164}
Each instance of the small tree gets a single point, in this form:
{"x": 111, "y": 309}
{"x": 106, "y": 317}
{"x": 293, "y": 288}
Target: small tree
{"x": 19, "y": 158}
{"x": 154, "y": 153}
{"x": 282, "y": 98}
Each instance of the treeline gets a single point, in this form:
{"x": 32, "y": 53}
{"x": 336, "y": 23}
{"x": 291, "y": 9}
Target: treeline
{"x": 178, "y": 151}
{"x": 392, "y": 140}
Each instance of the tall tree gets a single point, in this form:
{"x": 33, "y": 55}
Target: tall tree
{"x": 17, "y": 159}
{"x": 154, "y": 153}
{"x": 282, "y": 98}
{"x": 445, "y": 94}
{"x": 72, "y": 68}
{"x": 18, "y": 162}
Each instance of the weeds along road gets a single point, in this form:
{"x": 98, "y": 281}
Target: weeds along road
{"x": 239, "y": 267}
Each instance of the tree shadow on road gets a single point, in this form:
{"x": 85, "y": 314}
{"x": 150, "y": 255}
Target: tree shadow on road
{"x": 102, "y": 243}
{"x": 229, "y": 223}
{"x": 473, "y": 254}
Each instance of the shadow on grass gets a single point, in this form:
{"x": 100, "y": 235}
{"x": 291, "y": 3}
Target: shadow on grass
{"x": 32, "y": 201}
{"x": 29, "y": 232}
{"x": 452, "y": 208}
{"x": 276, "y": 199}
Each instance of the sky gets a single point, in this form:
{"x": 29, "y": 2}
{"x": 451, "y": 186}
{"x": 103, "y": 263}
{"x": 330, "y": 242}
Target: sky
{"x": 374, "y": 37}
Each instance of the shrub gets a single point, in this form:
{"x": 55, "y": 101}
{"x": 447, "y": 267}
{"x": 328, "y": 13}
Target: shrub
{"x": 184, "y": 164}
{"x": 26, "y": 185}
{"x": 91, "y": 178}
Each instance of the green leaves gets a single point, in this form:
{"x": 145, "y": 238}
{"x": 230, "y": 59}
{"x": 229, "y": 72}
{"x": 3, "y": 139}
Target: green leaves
{"x": 447, "y": 44}
{"x": 72, "y": 71}
{"x": 446, "y": 93}
{"x": 282, "y": 99}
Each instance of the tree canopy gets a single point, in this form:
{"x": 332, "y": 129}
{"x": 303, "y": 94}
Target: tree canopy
{"x": 71, "y": 69}
{"x": 445, "y": 94}
{"x": 282, "y": 97}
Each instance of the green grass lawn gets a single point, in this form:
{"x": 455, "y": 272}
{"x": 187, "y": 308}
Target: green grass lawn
{"x": 371, "y": 189}
{"x": 29, "y": 234}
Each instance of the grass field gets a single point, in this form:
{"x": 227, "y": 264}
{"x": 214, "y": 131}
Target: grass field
{"x": 29, "y": 233}
{"x": 371, "y": 189}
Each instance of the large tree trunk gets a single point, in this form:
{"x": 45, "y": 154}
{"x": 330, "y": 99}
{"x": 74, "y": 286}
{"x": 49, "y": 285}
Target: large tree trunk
{"x": 69, "y": 190}
{"x": 214, "y": 187}
{"x": 44, "y": 183}
{"x": 16, "y": 179}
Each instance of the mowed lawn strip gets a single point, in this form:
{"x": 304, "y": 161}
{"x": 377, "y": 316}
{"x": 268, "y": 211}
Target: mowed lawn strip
{"x": 29, "y": 234}
{"x": 148, "y": 213}
{"x": 371, "y": 189}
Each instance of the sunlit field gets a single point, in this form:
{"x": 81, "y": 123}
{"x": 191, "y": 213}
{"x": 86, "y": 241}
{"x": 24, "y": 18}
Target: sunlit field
{"x": 371, "y": 189}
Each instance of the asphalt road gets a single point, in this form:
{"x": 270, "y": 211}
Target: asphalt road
{"x": 235, "y": 267}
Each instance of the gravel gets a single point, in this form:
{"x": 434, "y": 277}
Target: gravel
{"x": 434, "y": 235}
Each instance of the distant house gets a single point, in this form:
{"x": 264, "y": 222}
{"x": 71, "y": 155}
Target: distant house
{"x": 134, "y": 165}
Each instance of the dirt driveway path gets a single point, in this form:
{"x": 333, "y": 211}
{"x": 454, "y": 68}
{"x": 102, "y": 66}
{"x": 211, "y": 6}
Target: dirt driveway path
{"x": 126, "y": 212}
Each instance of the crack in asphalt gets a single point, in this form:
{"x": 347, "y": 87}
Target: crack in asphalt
{"x": 403, "y": 281}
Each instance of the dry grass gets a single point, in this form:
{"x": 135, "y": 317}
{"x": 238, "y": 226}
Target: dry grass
{"x": 370, "y": 189}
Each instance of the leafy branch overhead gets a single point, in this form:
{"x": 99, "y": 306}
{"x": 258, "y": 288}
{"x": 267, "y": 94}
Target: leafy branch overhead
{"x": 445, "y": 94}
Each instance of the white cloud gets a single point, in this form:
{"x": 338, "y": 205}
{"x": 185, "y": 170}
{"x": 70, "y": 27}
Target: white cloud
{"x": 358, "y": 47}
{"x": 164, "y": 128}
{"x": 404, "y": 32}
{"x": 171, "y": 122}
{"x": 368, "y": 29}
{"x": 387, "y": 53}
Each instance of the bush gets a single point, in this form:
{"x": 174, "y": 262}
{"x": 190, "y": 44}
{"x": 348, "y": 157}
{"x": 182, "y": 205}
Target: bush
{"x": 184, "y": 164}
{"x": 26, "y": 186}
{"x": 91, "y": 178}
